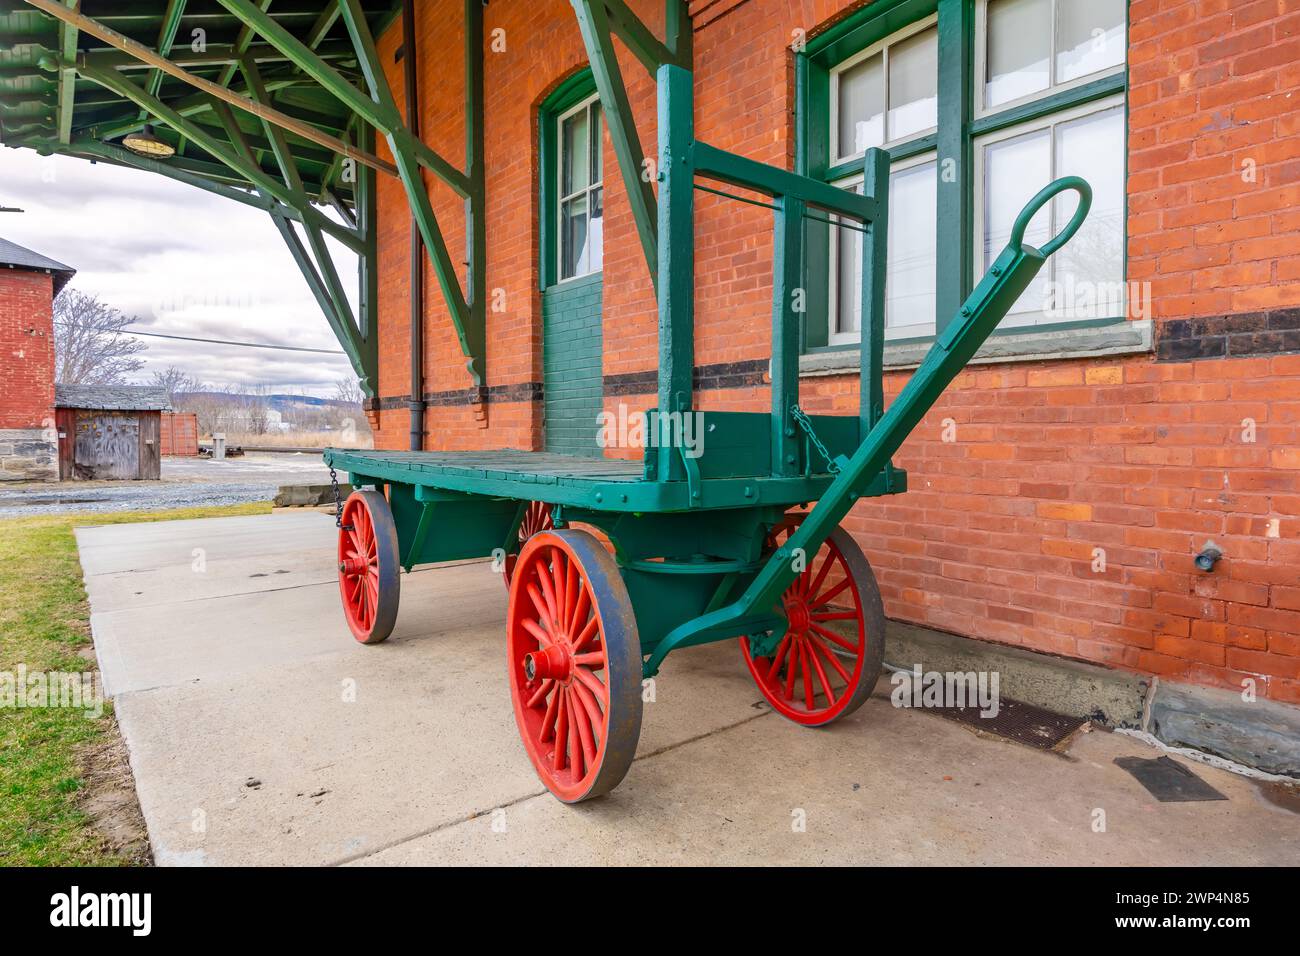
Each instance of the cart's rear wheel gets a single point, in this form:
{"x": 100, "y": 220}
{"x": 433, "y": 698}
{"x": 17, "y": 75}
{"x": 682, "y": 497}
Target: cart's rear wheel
{"x": 829, "y": 660}
{"x": 537, "y": 517}
{"x": 368, "y": 566}
{"x": 575, "y": 664}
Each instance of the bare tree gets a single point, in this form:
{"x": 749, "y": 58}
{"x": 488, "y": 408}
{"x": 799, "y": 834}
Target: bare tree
{"x": 348, "y": 391}
{"x": 89, "y": 346}
{"x": 177, "y": 383}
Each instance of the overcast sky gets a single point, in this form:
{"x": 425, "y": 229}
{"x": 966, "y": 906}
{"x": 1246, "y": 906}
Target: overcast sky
{"x": 182, "y": 261}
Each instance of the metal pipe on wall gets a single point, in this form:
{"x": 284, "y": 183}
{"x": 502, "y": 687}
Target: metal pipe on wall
{"x": 410, "y": 82}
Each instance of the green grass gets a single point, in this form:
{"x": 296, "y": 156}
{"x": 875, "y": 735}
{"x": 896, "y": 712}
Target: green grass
{"x": 45, "y": 624}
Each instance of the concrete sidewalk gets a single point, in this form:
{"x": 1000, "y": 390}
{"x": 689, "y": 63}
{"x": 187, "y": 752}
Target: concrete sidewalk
{"x": 260, "y": 732}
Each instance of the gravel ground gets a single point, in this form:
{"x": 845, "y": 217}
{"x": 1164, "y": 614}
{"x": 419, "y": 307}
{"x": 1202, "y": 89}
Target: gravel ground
{"x": 185, "y": 483}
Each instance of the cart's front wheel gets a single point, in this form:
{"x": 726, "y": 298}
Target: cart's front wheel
{"x": 368, "y": 566}
{"x": 829, "y": 660}
{"x": 575, "y": 664}
{"x": 537, "y": 518}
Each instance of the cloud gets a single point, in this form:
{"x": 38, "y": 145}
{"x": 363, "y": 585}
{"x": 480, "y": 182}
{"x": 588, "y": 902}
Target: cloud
{"x": 181, "y": 260}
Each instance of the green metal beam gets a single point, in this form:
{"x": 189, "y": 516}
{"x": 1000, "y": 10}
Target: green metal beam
{"x": 875, "y": 243}
{"x": 787, "y": 298}
{"x": 166, "y": 37}
{"x": 472, "y": 336}
{"x": 595, "y": 28}
{"x": 636, "y": 36}
{"x": 476, "y": 167}
{"x": 67, "y": 77}
{"x": 384, "y": 118}
{"x": 250, "y": 170}
{"x": 714, "y": 163}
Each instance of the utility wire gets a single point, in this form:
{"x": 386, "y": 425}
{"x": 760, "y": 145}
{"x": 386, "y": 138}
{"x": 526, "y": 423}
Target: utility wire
{"x": 190, "y": 338}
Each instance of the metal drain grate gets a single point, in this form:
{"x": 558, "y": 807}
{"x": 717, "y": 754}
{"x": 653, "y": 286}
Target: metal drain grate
{"x": 1018, "y": 721}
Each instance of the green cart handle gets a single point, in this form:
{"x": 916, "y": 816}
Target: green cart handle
{"x": 1046, "y": 194}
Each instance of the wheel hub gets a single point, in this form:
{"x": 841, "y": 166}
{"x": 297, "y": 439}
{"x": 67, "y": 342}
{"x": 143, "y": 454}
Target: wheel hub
{"x": 352, "y": 566}
{"x": 799, "y": 615}
{"x": 553, "y": 662}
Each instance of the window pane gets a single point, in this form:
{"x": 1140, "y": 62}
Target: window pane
{"x": 1014, "y": 170}
{"x": 574, "y": 257}
{"x": 597, "y": 144}
{"x": 910, "y": 286}
{"x": 1089, "y": 37}
{"x": 1088, "y": 273}
{"x": 596, "y": 231}
{"x": 910, "y": 275}
{"x": 573, "y": 159}
{"x": 861, "y": 106}
{"x": 913, "y": 84}
{"x": 1019, "y": 47}
{"x": 848, "y": 278}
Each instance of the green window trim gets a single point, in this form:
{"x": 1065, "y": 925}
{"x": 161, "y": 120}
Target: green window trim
{"x": 572, "y": 91}
{"x": 953, "y": 143}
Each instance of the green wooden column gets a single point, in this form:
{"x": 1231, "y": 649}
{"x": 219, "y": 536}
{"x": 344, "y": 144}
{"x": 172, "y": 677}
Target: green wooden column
{"x": 676, "y": 251}
{"x": 953, "y": 214}
{"x": 788, "y": 297}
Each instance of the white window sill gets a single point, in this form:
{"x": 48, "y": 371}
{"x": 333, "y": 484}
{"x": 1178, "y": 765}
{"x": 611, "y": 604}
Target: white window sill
{"x": 1031, "y": 345}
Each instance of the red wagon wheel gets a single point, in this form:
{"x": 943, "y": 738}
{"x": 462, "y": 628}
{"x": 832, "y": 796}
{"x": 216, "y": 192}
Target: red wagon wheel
{"x": 575, "y": 664}
{"x": 830, "y": 657}
{"x": 537, "y": 517}
{"x": 368, "y": 566}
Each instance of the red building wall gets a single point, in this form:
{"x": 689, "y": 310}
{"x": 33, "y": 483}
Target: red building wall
{"x": 1143, "y": 457}
{"x": 26, "y": 375}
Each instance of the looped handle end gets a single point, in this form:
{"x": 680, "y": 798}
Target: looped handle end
{"x": 1045, "y": 195}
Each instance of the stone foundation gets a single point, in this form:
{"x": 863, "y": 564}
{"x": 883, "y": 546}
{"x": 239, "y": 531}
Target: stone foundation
{"x": 28, "y": 454}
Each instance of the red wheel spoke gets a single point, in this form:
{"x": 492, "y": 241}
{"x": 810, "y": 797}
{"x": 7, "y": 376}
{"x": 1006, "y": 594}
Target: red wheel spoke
{"x": 539, "y": 632}
{"x": 821, "y": 575}
{"x": 559, "y": 581}
{"x": 548, "y": 720}
{"x": 807, "y": 682}
{"x": 593, "y": 684}
{"x": 829, "y": 595}
{"x": 835, "y": 616}
{"x": 561, "y": 732}
{"x": 571, "y": 591}
{"x": 781, "y": 652}
{"x": 580, "y": 611}
{"x": 821, "y": 674}
{"x": 591, "y": 707}
{"x": 585, "y": 735}
{"x": 792, "y": 659}
{"x": 540, "y": 694}
{"x": 588, "y": 632}
{"x": 595, "y": 660}
{"x": 545, "y": 579}
{"x": 831, "y": 657}
{"x": 835, "y": 638}
{"x": 539, "y": 603}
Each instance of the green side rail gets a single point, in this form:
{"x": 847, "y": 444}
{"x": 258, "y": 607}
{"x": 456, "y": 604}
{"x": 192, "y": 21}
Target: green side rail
{"x": 1008, "y": 277}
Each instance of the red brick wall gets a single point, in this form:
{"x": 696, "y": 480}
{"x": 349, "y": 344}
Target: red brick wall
{"x": 1137, "y": 460}
{"x": 26, "y": 349}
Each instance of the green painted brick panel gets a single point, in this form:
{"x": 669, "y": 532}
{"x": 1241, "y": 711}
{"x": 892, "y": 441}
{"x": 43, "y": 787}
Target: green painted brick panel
{"x": 571, "y": 366}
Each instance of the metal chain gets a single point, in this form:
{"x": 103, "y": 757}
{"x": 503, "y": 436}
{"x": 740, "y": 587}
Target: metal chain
{"x": 338, "y": 502}
{"x": 806, "y": 424}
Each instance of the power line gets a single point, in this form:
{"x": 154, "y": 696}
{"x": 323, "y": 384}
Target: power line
{"x": 190, "y": 338}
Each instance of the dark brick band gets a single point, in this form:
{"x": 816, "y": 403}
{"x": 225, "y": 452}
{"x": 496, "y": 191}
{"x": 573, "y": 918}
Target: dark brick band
{"x": 1230, "y": 336}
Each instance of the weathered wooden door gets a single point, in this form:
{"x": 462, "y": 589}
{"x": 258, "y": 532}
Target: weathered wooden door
{"x": 108, "y": 445}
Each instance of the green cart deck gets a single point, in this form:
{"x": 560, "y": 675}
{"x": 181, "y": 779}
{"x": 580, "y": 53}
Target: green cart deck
{"x": 599, "y": 484}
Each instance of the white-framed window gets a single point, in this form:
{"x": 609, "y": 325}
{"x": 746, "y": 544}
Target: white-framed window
{"x": 910, "y": 273}
{"x": 580, "y": 196}
{"x": 887, "y": 94}
{"x": 883, "y": 96}
{"x": 1028, "y": 49}
{"x": 1085, "y": 279}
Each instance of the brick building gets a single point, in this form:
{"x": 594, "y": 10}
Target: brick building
{"x": 28, "y": 438}
{"x": 1141, "y": 402}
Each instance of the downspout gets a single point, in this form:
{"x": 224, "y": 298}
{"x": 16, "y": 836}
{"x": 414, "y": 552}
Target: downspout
{"x": 410, "y": 80}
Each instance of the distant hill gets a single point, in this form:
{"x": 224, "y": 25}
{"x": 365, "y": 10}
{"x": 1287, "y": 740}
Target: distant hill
{"x": 281, "y": 402}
